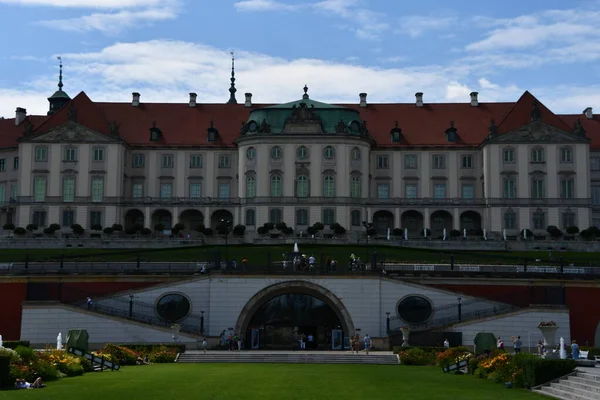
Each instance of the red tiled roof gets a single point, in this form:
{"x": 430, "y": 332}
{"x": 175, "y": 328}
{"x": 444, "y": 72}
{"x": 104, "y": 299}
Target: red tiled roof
{"x": 182, "y": 125}
{"x": 10, "y": 133}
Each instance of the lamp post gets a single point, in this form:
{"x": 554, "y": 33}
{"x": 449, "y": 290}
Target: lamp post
{"x": 202, "y": 322}
{"x": 367, "y": 226}
{"x": 459, "y": 309}
{"x": 130, "y": 306}
{"x": 226, "y": 224}
{"x": 387, "y": 322}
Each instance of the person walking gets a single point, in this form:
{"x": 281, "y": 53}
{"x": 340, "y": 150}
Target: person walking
{"x": 446, "y": 343}
{"x": 204, "y": 345}
{"x": 517, "y": 344}
{"x": 367, "y": 341}
{"x": 575, "y": 350}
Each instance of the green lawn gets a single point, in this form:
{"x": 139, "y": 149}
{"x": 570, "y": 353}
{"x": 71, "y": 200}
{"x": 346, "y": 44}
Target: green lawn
{"x": 270, "y": 381}
{"x": 260, "y": 254}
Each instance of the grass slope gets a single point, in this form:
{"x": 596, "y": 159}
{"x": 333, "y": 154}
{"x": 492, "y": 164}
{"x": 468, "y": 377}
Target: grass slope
{"x": 270, "y": 381}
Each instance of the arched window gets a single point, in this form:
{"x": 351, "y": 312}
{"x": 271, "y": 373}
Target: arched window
{"x": 302, "y": 217}
{"x": 355, "y": 188}
{"x": 328, "y": 186}
{"x": 329, "y": 153}
{"x": 250, "y": 186}
{"x": 302, "y": 186}
{"x": 276, "y": 186}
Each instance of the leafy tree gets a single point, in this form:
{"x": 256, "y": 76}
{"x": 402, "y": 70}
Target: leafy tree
{"x": 239, "y": 230}
{"x": 117, "y": 227}
{"x": 269, "y": 226}
{"x": 77, "y": 229}
{"x": 159, "y": 227}
{"x": 261, "y": 230}
{"x": 20, "y": 231}
{"x": 398, "y": 232}
{"x": 281, "y": 226}
{"x": 32, "y": 227}
{"x": 96, "y": 227}
{"x": 455, "y": 233}
{"x": 529, "y": 233}
{"x": 108, "y": 230}
{"x": 318, "y": 226}
{"x": 553, "y": 231}
{"x": 572, "y": 230}
{"x": 146, "y": 231}
{"x": 9, "y": 227}
{"x": 208, "y": 232}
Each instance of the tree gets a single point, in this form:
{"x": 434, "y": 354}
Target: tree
{"x": 281, "y": 226}
{"x": 371, "y": 232}
{"x": 398, "y": 232}
{"x": 200, "y": 228}
{"x": 159, "y": 227}
{"x": 239, "y": 230}
{"x": 208, "y": 232}
{"x": 311, "y": 230}
{"x": 178, "y": 228}
{"x": 145, "y": 231}
{"x": 529, "y": 233}
{"x": 96, "y": 227}
{"x": 32, "y": 227}
{"x": 117, "y": 227}
{"x": 572, "y": 230}
{"x": 288, "y": 230}
{"x": 269, "y": 226}
{"x": 554, "y": 232}
{"x": 337, "y": 229}
{"x": 318, "y": 226}
{"x": 261, "y": 230}
{"x": 20, "y": 231}
{"x": 108, "y": 230}
{"x": 455, "y": 233}
{"x": 54, "y": 227}
{"x": 9, "y": 227}
{"x": 77, "y": 229}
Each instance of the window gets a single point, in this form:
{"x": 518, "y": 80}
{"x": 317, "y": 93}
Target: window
{"x": 2, "y": 194}
{"x": 439, "y": 161}
{"x": 16, "y": 163}
{"x": 537, "y": 155}
{"x": 250, "y": 186}
{"x": 539, "y": 220}
{"x": 195, "y": 190}
{"x": 510, "y": 220}
{"x": 328, "y": 216}
{"x": 68, "y": 218}
{"x": 537, "y": 188}
{"x": 302, "y": 217}
{"x": 355, "y": 219}
{"x": 137, "y": 190}
{"x": 41, "y": 154}
{"x": 355, "y": 154}
{"x": 596, "y": 222}
{"x": 329, "y": 153}
{"x": 568, "y": 220}
{"x": 224, "y": 161}
{"x": 14, "y": 191}
{"x": 275, "y": 215}
{"x": 383, "y": 191}
{"x": 302, "y": 186}
{"x": 596, "y": 195}
{"x": 251, "y": 153}
{"x": 70, "y": 154}
{"x": 439, "y": 191}
{"x": 98, "y": 154}
{"x": 68, "y": 189}
{"x": 276, "y": 186}
{"x": 97, "y": 189}
{"x": 302, "y": 153}
{"x": 414, "y": 309}
{"x": 510, "y": 189}
{"x": 196, "y": 161}
{"x": 276, "y": 153}
{"x": 567, "y": 188}
{"x": 39, "y": 218}
{"x": 2, "y": 164}
{"x": 595, "y": 164}
{"x": 167, "y": 161}
{"x": 410, "y": 161}
{"x": 39, "y": 189}
{"x": 223, "y": 190}
{"x": 355, "y": 187}
{"x": 468, "y": 191}
{"x": 173, "y": 307}
{"x": 410, "y": 191}
{"x": 250, "y": 218}
{"x": 95, "y": 218}
{"x": 566, "y": 155}
{"x": 328, "y": 186}
{"x": 508, "y": 156}
{"x": 138, "y": 160}
{"x": 383, "y": 162}
{"x": 166, "y": 190}
{"x": 467, "y": 161}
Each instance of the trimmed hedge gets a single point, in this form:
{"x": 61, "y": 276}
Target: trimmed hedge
{"x": 435, "y": 350}
{"x": 13, "y": 344}
{"x": 4, "y": 371}
{"x": 149, "y": 348}
{"x": 539, "y": 371}
{"x": 592, "y": 351}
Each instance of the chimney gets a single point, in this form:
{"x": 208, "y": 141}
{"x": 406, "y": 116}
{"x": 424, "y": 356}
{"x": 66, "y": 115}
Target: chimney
{"x": 193, "y": 99}
{"x": 588, "y": 112}
{"x": 248, "y": 102}
{"x": 419, "y": 96}
{"x": 363, "y": 99}
{"x": 136, "y": 99}
{"x": 20, "y": 115}
{"x": 474, "y": 100}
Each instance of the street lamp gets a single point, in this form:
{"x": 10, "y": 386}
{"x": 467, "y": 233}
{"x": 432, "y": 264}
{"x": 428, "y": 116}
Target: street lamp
{"x": 367, "y": 226}
{"x": 202, "y": 322}
{"x": 130, "y": 306}
{"x": 459, "y": 309}
{"x": 226, "y": 223}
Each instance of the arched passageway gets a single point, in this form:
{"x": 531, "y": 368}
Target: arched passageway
{"x": 382, "y": 221}
{"x": 412, "y": 220}
{"x": 440, "y": 220}
{"x": 134, "y": 219}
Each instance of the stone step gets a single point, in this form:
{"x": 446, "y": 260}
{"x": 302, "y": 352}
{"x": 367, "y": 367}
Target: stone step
{"x": 581, "y": 379}
{"x": 562, "y": 394}
{"x": 582, "y": 385}
{"x": 577, "y": 391}
{"x": 289, "y": 358}
{"x": 590, "y": 376}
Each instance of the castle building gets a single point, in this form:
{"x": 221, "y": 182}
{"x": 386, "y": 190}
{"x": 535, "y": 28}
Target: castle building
{"x": 454, "y": 166}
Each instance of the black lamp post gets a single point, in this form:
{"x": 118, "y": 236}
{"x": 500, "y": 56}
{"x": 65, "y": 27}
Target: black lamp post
{"x": 226, "y": 224}
{"x": 387, "y": 322}
{"x": 202, "y": 322}
{"x": 130, "y": 306}
{"x": 459, "y": 309}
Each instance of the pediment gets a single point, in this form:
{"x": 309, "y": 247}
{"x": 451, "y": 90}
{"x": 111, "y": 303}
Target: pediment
{"x": 72, "y": 132}
{"x": 303, "y": 120}
{"x": 538, "y": 132}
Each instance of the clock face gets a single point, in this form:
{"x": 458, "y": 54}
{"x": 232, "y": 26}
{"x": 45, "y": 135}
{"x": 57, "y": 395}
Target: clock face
{"x": 252, "y": 126}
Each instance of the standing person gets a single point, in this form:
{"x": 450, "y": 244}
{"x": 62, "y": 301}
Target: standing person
{"x": 204, "y": 345}
{"x": 367, "y": 341}
{"x": 575, "y": 350}
{"x": 446, "y": 343}
{"x": 500, "y": 344}
{"x": 90, "y": 304}
{"x": 517, "y": 344}
{"x": 357, "y": 343}
{"x": 311, "y": 341}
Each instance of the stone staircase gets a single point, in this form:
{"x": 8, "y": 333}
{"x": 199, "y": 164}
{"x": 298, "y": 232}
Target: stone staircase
{"x": 584, "y": 384}
{"x": 288, "y": 357}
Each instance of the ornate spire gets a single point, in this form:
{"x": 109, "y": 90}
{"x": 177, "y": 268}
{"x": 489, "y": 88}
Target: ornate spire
{"x": 305, "y": 95}
{"x": 60, "y": 84}
{"x": 232, "y": 88}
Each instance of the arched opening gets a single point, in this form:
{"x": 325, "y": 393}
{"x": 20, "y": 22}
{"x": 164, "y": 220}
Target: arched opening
{"x": 277, "y": 316}
{"x": 134, "y": 218}
{"x": 217, "y": 216}
{"x": 162, "y": 217}
{"x": 412, "y": 220}
{"x": 382, "y": 221}
{"x": 440, "y": 220}
{"x": 191, "y": 219}
{"x": 470, "y": 220}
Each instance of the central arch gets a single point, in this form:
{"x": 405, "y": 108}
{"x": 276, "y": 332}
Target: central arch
{"x": 294, "y": 288}
{"x": 382, "y": 221}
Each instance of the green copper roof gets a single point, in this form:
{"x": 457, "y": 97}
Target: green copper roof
{"x": 59, "y": 94}
{"x": 309, "y": 103}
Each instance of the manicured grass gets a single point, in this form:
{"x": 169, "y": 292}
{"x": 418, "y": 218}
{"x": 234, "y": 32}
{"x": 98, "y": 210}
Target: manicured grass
{"x": 270, "y": 381}
{"x": 261, "y": 254}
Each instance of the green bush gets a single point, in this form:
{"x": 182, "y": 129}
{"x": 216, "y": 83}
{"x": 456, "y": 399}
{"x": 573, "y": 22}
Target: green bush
{"x": 86, "y": 365}
{"x": 4, "y": 370}
{"x": 13, "y": 355}
{"x": 122, "y": 355}
{"x": 537, "y": 371}
{"x": 45, "y": 369}
{"x": 144, "y": 349}
{"x": 592, "y": 351}
{"x": 13, "y": 344}
{"x": 163, "y": 354}
{"x": 27, "y": 354}
{"x": 417, "y": 356}
{"x": 71, "y": 369}
{"x": 435, "y": 350}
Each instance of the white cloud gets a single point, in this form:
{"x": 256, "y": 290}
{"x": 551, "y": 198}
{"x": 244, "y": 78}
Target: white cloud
{"x": 113, "y": 4}
{"x": 416, "y": 25}
{"x": 264, "y": 5}
{"x": 165, "y": 71}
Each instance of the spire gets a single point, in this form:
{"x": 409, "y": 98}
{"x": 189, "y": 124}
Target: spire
{"x": 59, "y": 98}
{"x": 232, "y": 88}
{"x": 60, "y": 84}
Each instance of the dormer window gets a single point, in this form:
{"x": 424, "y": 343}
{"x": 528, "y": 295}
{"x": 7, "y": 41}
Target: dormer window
{"x": 212, "y": 133}
{"x": 396, "y": 133}
{"x": 155, "y": 133}
{"x": 451, "y": 135}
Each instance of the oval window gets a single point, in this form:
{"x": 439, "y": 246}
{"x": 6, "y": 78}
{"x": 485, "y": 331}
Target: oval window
{"x": 414, "y": 309}
{"x": 355, "y": 154}
{"x": 329, "y": 153}
{"x": 251, "y": 153}
{"x": 276, "y": 153}
{"x": 173, "y": 307}
{"x": 302, "y": 153}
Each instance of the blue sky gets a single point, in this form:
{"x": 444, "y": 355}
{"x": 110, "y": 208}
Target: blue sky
{"x": 339, "y": 48}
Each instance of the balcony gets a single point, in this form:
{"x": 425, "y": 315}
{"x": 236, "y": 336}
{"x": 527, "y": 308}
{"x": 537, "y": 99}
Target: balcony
{"x": 179, "y": 201}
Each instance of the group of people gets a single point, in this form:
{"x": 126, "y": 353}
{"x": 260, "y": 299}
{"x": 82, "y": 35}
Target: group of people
{"x": 355, "y": 342}
{"x": 231, "y": 342}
